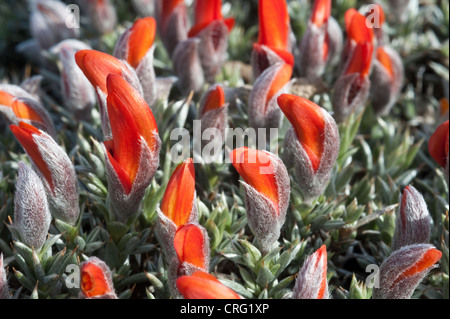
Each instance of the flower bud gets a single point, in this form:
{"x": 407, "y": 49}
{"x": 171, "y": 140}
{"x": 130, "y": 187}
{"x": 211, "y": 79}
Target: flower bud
{"x": 54, "y": 168}
{"x": 352, "y": 88}
{"x": 267, "y": 190}
{"x": 321, "y": 43}
{"x": 404, "y": 269}
{"x": 96, "y": 280}
{"x": 4, "y": 288}
{"x": 78, "y": 93}
{"x": 263, "y": 111}
{"x": 438, "y": 147}
{"x": 17, "y": 105}
{"x": 102, "y": 15}
{"x": 312, "y": 278}
{"x": 386, "y": 80}
{"x": 48, "y": 23}
{"x": 213, "y": 111}
{"x": 212, "y": 30}
{"x": 187, "y": 66}
{"x": 412, "y": 225}
{"x": 136, "y": 47}
{"x": 132, "y": 154}
{"x": 31, "y": 211}
{"x": 274, "y": 44}
{"x": 171, "y": 17}
{"x": 190, "y": 253}
{"x": 178, "y": 206}
{"x": 201, "y": 285}
{"x": 312, "y": 144}
{"x": 96, "y": 66}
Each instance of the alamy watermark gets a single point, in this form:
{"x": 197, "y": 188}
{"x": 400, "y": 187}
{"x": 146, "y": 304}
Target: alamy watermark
{"x": 72, "y": 16}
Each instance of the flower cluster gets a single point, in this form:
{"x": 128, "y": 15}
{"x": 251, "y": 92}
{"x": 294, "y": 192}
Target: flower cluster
{"x": 91, "y": 180}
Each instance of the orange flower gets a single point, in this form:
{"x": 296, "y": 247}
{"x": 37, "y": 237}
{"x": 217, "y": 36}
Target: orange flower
{"x": 24, "y": 134}
{"x": 141, "y": 39}
{"x": 96, "y": 279}
{"x": 321, "y": 12}
{"x": 274, "y": 28}
{"x": 438, "y": 145}
{"x": 207, "y": 11}
{"x": 21, "y": 110}
{"x": 308, "y": 121}
{"x": 97, "y": 65}
{"x": 131, "y": 119}
{"x": 256, "y": 168}
{"x": 215, "y": 99}
{"x": 361, "y": 59}
{"x": 356, "y": 27}
{"x": 385, "y": 61}
{"x": 189, "y": 243}
{"x": 201, "y": 285}
{"x": 178, "y": 199}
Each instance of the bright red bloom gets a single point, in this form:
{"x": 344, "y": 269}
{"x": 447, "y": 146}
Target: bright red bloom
{"x": 356, "y": 27}
{"x": 257, "y": 170}
{"x": 438, "y": 145}
{"x": 20, "y": 109}
{"x": 361, "y": 59}
{"x": 97, "y": 65}
{"x": 189, "y": 243}
{"x": 385, "y": 61}
{"x": 205, "y": 12}
{"x": 141, "y": 39}
{"x": 131, "y": 119}
{"x": 274, "y": 28}
{"x": 96, "y": 279}
{"x": 321, "y": 12}
{"x": 179, "y": 196}
{"x": 214, "y": 100}
{"x": 309, "y": 124}
{"x": 201, "y": 285}
{"x": 24, "y": 134}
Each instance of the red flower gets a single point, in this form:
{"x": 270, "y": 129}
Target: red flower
{"x": 141, "y": 38}
{"x": 438, "y": 145}
{"x": 206, "y": 12}
{"x": 267, "y": 190}
{"x": 201, "y": 285}
{"x": 96, "y": 280}
{"x": 178, "y": 201}
{"x": 192, "y": 246}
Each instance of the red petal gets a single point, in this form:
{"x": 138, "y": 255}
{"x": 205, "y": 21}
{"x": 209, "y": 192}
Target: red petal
{"x": 321, "y": 12}
{"x": 6, "y": 99}
{"x": 201, "y": 285}
{"x": 121, "y": 92}
{"x": 281, "y": 79}
{"x": 438, "y": 144}
{"x": 428, "y": 259}
{"x": 141, "y": 40}
{"x": 189, "y": 245}
{"x": 361, "y": 59}
{"x": 93, "y": 282}
{"x": 214, "y": 100}
{"x": 256, "y": 168}
{"x": 307, "y": 119}
{"x": 179, "y": 195}
{"x": 126, "y": 142}
{"x": 385, "y": 61}
{"x": 24, "y": 134}
{"x": 23, "y": 111}
{"x": 97, "y": 65}
{"x": 274, "y": 24}
{"x": 206, "y": 11}
{"x": 356, "y": 26}
{"x": 322, "y": 255}
{"x": 168, "y": 6}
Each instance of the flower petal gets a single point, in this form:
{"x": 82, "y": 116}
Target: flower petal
{"x": 189, "y": 245}
{"x": 142, "y": 37}
{"x": 201, "y": 285}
